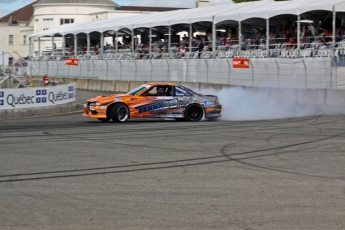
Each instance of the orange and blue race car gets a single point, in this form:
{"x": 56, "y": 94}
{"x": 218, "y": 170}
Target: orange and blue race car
{"x": 154, "y": 100}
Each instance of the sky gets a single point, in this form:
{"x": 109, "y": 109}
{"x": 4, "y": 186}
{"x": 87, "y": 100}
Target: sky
{"x": 8, "y": 6}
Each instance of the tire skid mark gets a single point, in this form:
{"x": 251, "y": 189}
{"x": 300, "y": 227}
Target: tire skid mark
{"x": 169, "y": 164}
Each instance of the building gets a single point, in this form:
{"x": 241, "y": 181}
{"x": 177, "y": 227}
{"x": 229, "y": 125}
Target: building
{"x": 41, "y": 15}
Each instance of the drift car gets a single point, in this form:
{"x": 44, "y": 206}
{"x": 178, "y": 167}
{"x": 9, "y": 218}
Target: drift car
{"x": 154, "y": 100}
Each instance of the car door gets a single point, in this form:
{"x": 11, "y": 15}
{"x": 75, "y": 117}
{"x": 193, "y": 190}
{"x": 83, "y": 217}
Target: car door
{"x": 152, "y": 105}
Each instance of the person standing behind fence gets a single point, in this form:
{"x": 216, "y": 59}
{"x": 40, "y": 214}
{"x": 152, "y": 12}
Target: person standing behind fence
{"x": 201, "y": 46}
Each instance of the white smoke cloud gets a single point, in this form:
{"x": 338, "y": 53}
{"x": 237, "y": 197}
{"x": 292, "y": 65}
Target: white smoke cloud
{"x": 244, "y": 104}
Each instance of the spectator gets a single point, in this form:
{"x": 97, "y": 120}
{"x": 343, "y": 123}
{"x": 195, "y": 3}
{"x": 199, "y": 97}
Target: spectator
{"x": 201, "y": 46}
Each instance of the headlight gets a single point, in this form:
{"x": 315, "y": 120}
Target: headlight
{"x": 97, "y": 104}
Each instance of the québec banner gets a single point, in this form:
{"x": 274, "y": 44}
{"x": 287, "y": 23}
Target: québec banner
{"x": 37, "y": 97}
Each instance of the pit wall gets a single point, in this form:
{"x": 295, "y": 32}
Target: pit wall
{"x": 322, "y": 97}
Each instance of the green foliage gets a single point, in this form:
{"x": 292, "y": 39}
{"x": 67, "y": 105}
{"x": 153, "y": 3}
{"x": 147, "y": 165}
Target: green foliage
{"x": 238, "y": 1}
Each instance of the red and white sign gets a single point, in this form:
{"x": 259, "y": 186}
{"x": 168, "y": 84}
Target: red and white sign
{"x": 72, "y": 61}
{"x": 243, "y": 63}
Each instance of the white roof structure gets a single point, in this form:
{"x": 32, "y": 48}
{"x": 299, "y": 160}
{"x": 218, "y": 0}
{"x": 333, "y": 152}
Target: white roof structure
{"x": 216, "y": 14}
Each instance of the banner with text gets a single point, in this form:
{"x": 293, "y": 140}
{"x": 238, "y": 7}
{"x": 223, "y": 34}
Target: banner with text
{"x": 242, "y": 63}
{"x": 37, "y": 97}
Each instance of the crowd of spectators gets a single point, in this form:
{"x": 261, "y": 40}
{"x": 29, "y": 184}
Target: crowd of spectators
{"x": 285, "y": 39}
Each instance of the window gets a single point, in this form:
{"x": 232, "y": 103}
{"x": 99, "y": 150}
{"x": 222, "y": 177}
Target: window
{"x": 37, "y": 26}
{"x": 66, "y": 21}
{"x": 10, "y": 39}
{"x": 24, "y": 39}
{"x": 47, "y": 23}
{"x": 181, "y": 92}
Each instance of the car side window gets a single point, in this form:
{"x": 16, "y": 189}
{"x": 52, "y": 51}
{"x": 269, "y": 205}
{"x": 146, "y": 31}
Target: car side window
{"x": 181, "y": 92}
{"x": 160, "y": 90}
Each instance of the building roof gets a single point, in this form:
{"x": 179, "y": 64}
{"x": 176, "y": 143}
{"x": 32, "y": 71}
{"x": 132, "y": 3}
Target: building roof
{"x": 217, "y": 14}
{"x": 23, "y": 14}
{"x": 147, "y": 8}
{"x": 98, "y": 2}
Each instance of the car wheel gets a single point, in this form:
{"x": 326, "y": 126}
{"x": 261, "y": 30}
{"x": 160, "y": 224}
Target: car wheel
{"x": 194, "y": 113}
{"x": 119, "y": 113}
{"x": 104, "y": 119}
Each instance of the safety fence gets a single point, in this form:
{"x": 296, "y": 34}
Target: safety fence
{"x": 318, "y": 72}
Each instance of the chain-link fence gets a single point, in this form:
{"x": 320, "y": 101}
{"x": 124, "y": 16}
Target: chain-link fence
{"x": 322, "y": 72}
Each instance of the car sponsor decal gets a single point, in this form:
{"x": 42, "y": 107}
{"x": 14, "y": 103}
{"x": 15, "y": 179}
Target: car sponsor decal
{"x": 165, "y": 98}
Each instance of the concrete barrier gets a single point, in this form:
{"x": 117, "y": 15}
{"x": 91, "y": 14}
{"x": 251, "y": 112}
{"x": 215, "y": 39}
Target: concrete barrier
{"x": 335, "y": 97}
{"x": 95, "y": 85}
{"x": 16, "y": 113}
{"x": 134, "y": 84}
{"x": 107, "y": 85}
{"x": 82, "y": 83}
{"x": 122, "y": 86}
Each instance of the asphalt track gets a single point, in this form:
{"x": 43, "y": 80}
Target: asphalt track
{"x": 69, "y": 172}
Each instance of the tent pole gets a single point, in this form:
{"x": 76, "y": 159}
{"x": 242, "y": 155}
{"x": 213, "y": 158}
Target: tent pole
{"x": 39, "y": 46}
{"x": 213, "y": 35}
{"x": 190, "y": 37}
{"x": 150, "y": 38}
{"x": 298, "y": 31}
{"x": 88, "y": 44}
{"x": 63, "y": 45}
{"x": 132, "y": 46}
{"x": 102, "y": 44}
{"x": 334, "y": 29}
{"x": 239, "y": 35}
{"x": 267, "y": 36}
{"x": 53, "y": 44}
{"x": 116, "y": 42}
{"x": 169, "y": 37}
{"x": 75, "y": 45}
{"x": 30, "y": 48}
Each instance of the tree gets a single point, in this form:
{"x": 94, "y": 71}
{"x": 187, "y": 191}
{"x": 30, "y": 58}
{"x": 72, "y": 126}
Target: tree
{"x": 238, "y": 1}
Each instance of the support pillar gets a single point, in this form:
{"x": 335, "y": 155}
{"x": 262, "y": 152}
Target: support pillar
{"x": 334, "y": 29}
{"x": 39, "y": 46}
{"x": 267, "y": 36}
{"x": 239, "y": 35}
{"x": 214, "y": 33}
{"x": 298, "y": 31}
{"x": 75, "y": 45}
{"x": 190, "y": 37}
{"x": 169, "y": 37}
{"x": 150, "y": 38}
{"x": 101, "y": 44}
{"x": 88, "y": 44}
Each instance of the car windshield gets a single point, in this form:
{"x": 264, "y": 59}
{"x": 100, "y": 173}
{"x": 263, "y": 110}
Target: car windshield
{"x": 137, "y": 90}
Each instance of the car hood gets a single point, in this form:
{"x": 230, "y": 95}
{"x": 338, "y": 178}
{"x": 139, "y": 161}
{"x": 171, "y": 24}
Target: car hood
{"x": 105, "y": 98}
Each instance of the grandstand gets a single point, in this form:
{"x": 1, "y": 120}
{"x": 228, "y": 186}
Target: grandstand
{"x": 296, "y": 29}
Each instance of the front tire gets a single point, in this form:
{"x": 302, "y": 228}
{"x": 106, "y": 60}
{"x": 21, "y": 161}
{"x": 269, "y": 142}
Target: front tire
{"x": 194, "y": 113}
{"x": 119, "y": 113}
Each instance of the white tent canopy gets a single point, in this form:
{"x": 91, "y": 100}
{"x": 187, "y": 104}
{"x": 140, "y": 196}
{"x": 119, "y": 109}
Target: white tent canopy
{"x": 236, "y": 12}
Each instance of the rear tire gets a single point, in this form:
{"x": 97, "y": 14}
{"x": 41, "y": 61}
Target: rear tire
{"x": 119, "y": 112}
{"x": 194, "y": 113}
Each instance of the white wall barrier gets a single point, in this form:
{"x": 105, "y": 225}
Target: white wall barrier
{"x": 37, "y": 97}
{"x": 263, "y": 72}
